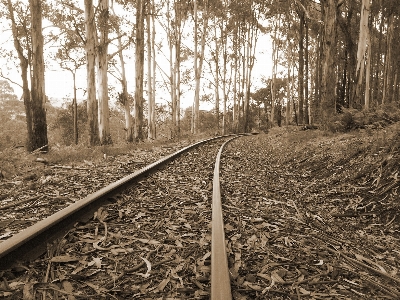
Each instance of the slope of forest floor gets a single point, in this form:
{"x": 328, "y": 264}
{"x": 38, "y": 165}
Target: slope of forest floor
{"x": 311, "y": 215}
{"x": 314, "y": 215}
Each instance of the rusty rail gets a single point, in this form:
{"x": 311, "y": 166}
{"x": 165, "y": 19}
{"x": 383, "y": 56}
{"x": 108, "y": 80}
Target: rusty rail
{"x": 220, "y": 281}
{"x": 32, "y": 242}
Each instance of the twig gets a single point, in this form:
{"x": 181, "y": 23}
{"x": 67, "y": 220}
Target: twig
{"x": 127, "y": 271}
{"x": 388, "y": 276}
{"x": 20, "y": 202}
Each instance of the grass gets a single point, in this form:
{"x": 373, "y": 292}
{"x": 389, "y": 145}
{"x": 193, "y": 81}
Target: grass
{"x": 17, "y": 162}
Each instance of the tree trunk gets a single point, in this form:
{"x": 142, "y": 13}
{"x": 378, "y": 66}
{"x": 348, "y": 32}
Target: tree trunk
{"x": 139, "y": 69}
{"x": 289, "y": 94}
{"x": 177, "y": 69}
{"x": 38, "y": 94}
{"x": 149, "y": 76}
{"x": 172, "y": 78}
{"x": 301, "y": 67}
{"x": 224, "y": 41}
{"x": 216, "y": 60}
{"x": 368, "y": 71}
{"x": 328, "y": 95}
{"x": 306, "y": 76}
{"x": 75, "y": 110}
{"x": 24, "y": 65}
{"x": 362, "y": 46}
{"x": 388, "y": 78}
{"x": 102, "y": 68}
{"x": 198, "y": 61}
{"x": 90, "y": 48}
{"x": 153, "y": 49}
{"x": 125, "y": 97}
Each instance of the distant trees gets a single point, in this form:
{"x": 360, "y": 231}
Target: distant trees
{"x": 331, "y": 54}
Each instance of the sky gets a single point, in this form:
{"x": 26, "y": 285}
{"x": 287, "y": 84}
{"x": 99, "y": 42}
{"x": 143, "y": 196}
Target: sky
{"x": 59, "y": 84}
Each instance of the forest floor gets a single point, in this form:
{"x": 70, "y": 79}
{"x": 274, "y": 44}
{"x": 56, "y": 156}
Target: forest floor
{"x": 312, "y": 215}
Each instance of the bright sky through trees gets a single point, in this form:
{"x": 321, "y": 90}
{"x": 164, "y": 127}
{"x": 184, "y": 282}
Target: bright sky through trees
{"x": 59, "y": 84}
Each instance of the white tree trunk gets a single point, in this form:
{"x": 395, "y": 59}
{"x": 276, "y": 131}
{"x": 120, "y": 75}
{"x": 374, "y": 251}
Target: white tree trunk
{"x": 90, "y": 49}
{"x": 102, "y": 68}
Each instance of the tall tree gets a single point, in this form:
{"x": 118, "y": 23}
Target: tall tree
{"x": 24, "y": 64}
{"x": 361, "y": 52}
{"x": 198, "y": 59}
{"x": 151, "y": 70}
{"x": 38, "y": 93}
{"x": 139, "y": 69}
{"x": 123, "y": 96}
{"x": 328, "y": 64}
{"x": 90, "y": 48}
{"x": 301, "y": 15}
{"x": 102, "y": 68}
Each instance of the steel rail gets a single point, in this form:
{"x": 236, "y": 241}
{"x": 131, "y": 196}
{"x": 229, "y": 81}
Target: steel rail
{"x": 220, "y": 280}
{"x": 32, "y": 242}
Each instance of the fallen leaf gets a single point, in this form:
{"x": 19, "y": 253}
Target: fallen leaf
{"x": 148, "y": 264}
{"x": 64, "y": 258}
{"x": 163, "y": 284}
{"x": 96, "y": 262}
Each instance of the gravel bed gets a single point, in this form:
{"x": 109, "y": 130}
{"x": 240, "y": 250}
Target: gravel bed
{"x": 153, "y": 243}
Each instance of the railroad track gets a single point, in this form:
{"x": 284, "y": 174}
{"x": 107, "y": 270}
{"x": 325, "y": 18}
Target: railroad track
{"x": 160, "y": 213}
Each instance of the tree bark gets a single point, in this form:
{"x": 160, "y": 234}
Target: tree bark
{"x": 328, "y": 95}
{"x": 301, "y": 66}
{"x": 24, "y": 65}
{"x": 38, "y": 93}
{"x": 149, "y": 76}
{"x": 102, "y": 69}
{"x": 198, "y": 61}
{"x": 361, "y": 57}
{"x": 368, "y": 70}
{"x": 216, "y": 60}
{"x": 139, "y": 70}
{"x": 153, "y": 49}
{"x": 90, "y": 47}
{"x": 306, "y": 76}
{"x": 75, "y": 110}
{"x": 388, "y": 78}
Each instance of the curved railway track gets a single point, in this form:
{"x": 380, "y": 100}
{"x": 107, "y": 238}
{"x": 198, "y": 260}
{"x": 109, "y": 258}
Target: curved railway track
{"x": 162, "y": 210}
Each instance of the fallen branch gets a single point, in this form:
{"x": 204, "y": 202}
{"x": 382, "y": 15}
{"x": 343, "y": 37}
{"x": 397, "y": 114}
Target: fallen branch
{"x": 20, "y": 202}
{"x": 361, "y": 264}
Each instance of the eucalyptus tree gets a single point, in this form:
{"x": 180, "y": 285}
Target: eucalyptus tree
{"x": 70, "y": 55}
{"x": 199, "y": 56}
{"x": 151, "y": 69}
{"x": 71, "y": 58}
{"x": 139, "y": 69}
{"x": 361, "y": 54}
{"x": 38, "y": 92}
{"x": 28, "y": 42}
{"x": 123, "y": 96}
{"x": 328, "y": 64}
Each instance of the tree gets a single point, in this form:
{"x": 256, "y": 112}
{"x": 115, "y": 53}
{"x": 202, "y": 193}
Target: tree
{"x": 123, "y": 96}
{"x": 328, "y": 95}
{"x": 198, "y": 59}
{"x": 139, "y": 69}
{"x": 21, "y": 34}
{"x": 361, "y": 52}
{"x": 70, "y": 59}
{"x": 90, "y": 48}
{"x": 102, "y": 68}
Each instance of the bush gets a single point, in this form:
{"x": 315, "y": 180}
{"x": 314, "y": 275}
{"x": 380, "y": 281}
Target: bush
{"x": 351, "y": 119}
